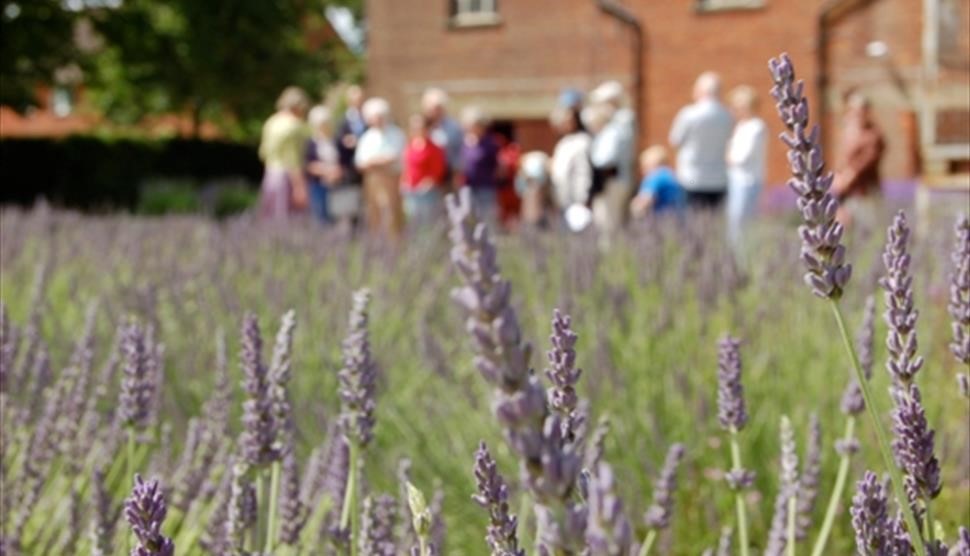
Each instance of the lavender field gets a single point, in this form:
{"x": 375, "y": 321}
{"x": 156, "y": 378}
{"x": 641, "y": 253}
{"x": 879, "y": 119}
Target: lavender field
{"x": 103, "y": 311}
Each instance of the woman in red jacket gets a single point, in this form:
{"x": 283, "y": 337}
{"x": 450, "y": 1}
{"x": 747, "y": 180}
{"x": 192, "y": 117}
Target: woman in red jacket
{"x": 425, "y": 168}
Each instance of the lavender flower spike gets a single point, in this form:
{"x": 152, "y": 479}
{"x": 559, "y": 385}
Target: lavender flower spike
{"x": 562, "y": 372}
{"x": 379, "y": 518}
{"x": 822, "y": 251}
{"x": 608, "y": 532}
{"x": 138, "y": 384}
{"x": 145, "y": 512}
{"x": 358, "y": 378}
{"x": 959, "y": 305}
{"x": 914, "y": 443}
{"x": 870, "y": 517}
{"x": 731, "y": 410}
{"x": 493, "y": 495}
{"x": 903, "y": 363}
{"x": 259, "y": 431}
{"x": 658, "y": 514}
{"x": 549, "y": 462}
{"x": 962, "y": 547}
{"x": 808, "y": 484}
{"x": 778, "y": 535}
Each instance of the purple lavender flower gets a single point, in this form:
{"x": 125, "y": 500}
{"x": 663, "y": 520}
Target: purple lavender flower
{"x": 870, "y": 517}
{"x": 562, "y": 372}
{"x": 549, "y": 463}
{"x": 777, "y": 535}
{"x": 145, "y": 513}
{"x": 959, "y": 305}
{"x": 731, "y": 411}
{"x": 358, "y": 378}
{"x": 379, "y": 517}
{"x": 493, "y": 495}
{"x": 808, "y": 483}
{"x": 293, "y": 513}
{"x": 242, "y": 507}
{"x": 279, "y": 377}
{"x": 608, "y": 532}
{"x": 102, "y": 522}
{"x": 913, "y": 443}
{"x": 658, "y": 514}
{"x": 962, "y": 547}
{"x": 259, "y": 426}
{"x": 903, "y": 363}
{"x": 852, "y": 401}
{"x": 138, "y": 384}
{"x": 822, "y": 249}
{"x": 9, "y": 341}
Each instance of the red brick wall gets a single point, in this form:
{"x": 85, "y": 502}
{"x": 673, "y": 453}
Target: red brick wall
{"x": 540, "y": 45}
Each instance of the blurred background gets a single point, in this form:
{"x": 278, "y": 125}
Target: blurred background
{"x": 104, "y": 98}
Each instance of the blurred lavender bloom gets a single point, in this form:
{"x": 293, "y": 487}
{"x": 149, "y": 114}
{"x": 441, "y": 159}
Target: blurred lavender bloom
{"x": 9, "y": 342}
{"x": 102, "y": 517}
{"x": 787, "y": 488}
{"x": 852, "y": 401}
{"x": 562, "y": 372}
{"x": 725, "y": 542}
{"x": 293, "y": 513}
{"x": 217, "y": 408}
{"x": 242, "y": 508}
{"x": 659, "y": 512}
{"x": 259, "y": 431}
{"x": 870, "y": 517}
{"x": 493, "y": 495}
{"x": 138, "y": 382}
{"x": 962, "y": 546}
{"x": 913, "y": 444}
{"x": 378, "y": 521}
{"x": 959, "y": 306}
{"x": 608, "y": 532}
{"x": 822, "y": 251}
{"x": 145, "y": 512}
{"x": 903, "y": 362}
{"x": 549, "y": 464}
{"x": 358, "y": 377}
{"x": 809, "y": 481}
{"x": 731, "y": 411}
{"x": 279, "y": 378}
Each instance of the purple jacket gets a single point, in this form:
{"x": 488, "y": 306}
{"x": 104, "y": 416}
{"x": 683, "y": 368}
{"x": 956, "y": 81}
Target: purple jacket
{"x": 479, "y": 163}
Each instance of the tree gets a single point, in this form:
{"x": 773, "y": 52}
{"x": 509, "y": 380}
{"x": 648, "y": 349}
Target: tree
{"x": 36, "y": 39}
{"x": 221, "y": 60}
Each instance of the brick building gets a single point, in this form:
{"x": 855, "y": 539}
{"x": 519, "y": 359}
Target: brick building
{"x": 911, "y": 57}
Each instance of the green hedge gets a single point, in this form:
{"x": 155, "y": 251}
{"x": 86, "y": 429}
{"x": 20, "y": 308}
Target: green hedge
{"x": 92, "y": 173}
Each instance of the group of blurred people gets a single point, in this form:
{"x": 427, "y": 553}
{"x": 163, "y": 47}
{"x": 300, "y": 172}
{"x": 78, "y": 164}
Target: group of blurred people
{"x": 361, "y": 165}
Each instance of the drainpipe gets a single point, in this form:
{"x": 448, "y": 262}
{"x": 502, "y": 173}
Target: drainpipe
{"x": 624, "y": 16}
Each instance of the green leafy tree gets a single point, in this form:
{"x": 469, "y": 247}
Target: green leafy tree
{"x": 36, "y": 39}
{"x": 218, "y": 60}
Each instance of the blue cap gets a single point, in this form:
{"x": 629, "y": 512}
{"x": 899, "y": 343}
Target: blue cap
{"x": 570, "y": 98}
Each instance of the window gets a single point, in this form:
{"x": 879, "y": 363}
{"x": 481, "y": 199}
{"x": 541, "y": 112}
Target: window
{"x": 474, "y": 13}
{"x": 719, "y": 5}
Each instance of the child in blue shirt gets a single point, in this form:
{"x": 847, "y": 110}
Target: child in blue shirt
{"x": 659, "y": 191}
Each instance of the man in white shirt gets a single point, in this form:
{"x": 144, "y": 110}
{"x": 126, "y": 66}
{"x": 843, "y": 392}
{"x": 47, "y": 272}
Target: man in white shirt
{"x": 378, "y": 157}
{"x": 746, "y": 162}
{"x": 700, "y": 134}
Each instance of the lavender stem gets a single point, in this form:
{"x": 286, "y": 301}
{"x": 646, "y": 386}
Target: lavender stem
{"x": 792, "y": 516}
{"x": 846, "y": 458}
{"x": 648, "y": 543}
{"x": 739, "y": 494}
{"x": 896, "y": 477}
{"x": 274, "y": 495}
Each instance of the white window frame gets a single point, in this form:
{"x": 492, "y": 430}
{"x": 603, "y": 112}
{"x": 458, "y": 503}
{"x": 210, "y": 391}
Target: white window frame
{"x": 474, "y": 13}
{"x": 724, "y": 5}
